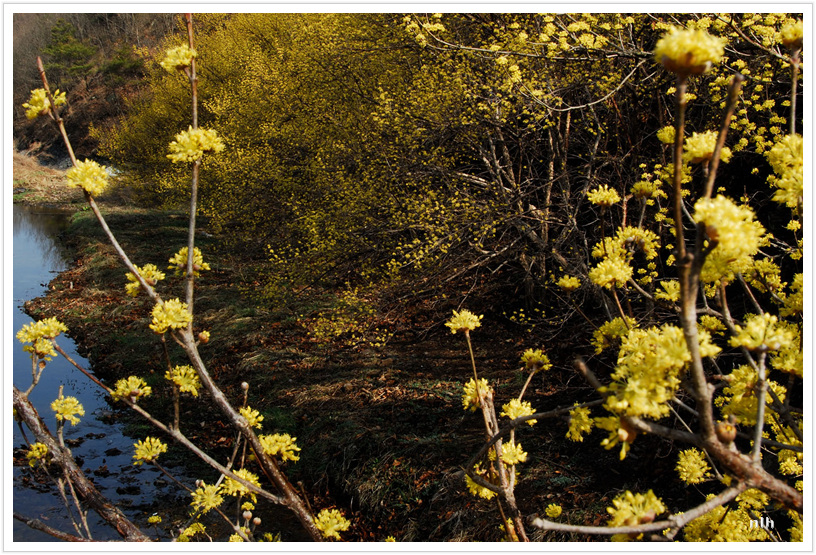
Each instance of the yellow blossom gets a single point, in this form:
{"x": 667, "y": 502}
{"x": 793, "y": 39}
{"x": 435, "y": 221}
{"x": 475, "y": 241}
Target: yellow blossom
{"x": 178, "y": 262}
{"x": 234, "y": 487}
{"x": 689, "y": 51}
{"x": 41, "y": 334}
{"x": 692, "y": 466}
{"x": 38, "y": 104}
{"x": 786, "y": 158}
{"x": 178, "y": 58}
{"x": 700, "y": 147}
{"x": 670, "y": 292}
{"x": 282, "y": 445}
{"x": 610, "y": 331}
{"x": 207, "y": 497}
{"x": 331, "y": 522}
{"x": 476, "y": 489}
{"x": 253, "y": 417}
{"x": 172, "y": 314}
{"x": 131, "y": 388}
{"x": 67, "y": 408}
{"x": 666, "y": 135}
{"x": 612, "y": 272}
{"x": 553, "y": 510}
{"x": 603, "y": 196}
{"x": 470, "y": 399}
{"x": 535, "y": 360}
{"x": 149, "y": 272}
{"x": 88, "y": 175}
{"x": 580, "y": 423}
{"x": 185, "y": 378}
{"x": 36, "y": 453}
{"x": 236, "y": 538}
{"x": 464, "y": 321}
{"x": 192, "y": 144}
{"x": 791, "y": 34}
{"x": 569, "y": 283}
{"x": 512, "y": 453}
{"x": 761, "y": 332}
{"x": 148, "y": 450}
{"x": 154, "y": 519}
{"x": 516, "y": 409}
{"x": 631, "y": 509}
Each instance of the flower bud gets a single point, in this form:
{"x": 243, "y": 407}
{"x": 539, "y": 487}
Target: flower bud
{"x": 726, "y": 431}
{"x": 244, "y": 386}
{"x": 247, "y": 515}
{"x": 256, "y": 521}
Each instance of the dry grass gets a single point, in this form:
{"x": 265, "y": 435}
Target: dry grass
{"x": 37, "y": 184}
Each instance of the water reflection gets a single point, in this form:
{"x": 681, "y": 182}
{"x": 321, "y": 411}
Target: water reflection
{"x": 105, "y": 453}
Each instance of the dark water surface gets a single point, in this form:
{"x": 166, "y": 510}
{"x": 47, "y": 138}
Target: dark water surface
{"x": 105, "y": 453}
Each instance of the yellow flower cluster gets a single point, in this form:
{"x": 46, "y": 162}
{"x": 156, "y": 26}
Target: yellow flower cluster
{"x": 700, "y": 147}
{"x": 739, "y": 398}
{"x": 786, "y": 158}
{"x": 38, "y": 104}
{"x": 36, "y": 453}
{"x": 253, "y": 417}
{"x": 131, "y": 388}
{"x": 476, "y": 489}
{"x": 207, "y": 497}
{"x": 647, "y": 372}
{"x": 154, "y": 519}
{"x": 611, "y": 272}
{"x": 553, "y": 510}
{"x": 726, "y": 523}
{"x": 512, "y": 453}
{"x": 282, "y": 445}
{"x": 791, "y": 34}
{"x": 149, "y": 272}
{"x": 192, "y": 144}
{"x": 689, "y": 51}
{"x": 610, "y": 331}
{"x": 631, "y": 509}
{"x": 738, "y": 237}
{"x": 470, "y": 399}
{"x": 236, "y": 488}
{"x": 89, "y": 176}
{"x": 535, "y": 360}
{"x": 40, "y": 335}
{"x": 172, "y": 314}
{"x": 603, "y": 196}
{"x": 666, "y": 135}
{"x": 516, "y": 409}
{"x": 464, "y": 321}
{"x": 190, "y": 531}
{"x": 670, "y": 292}
{"x": 761, "y": 331}
{"x": 790, "y": 462}
{"x": 67, "y": 408}
{"x": 795, "y": 299}
{"x": 185, "y": 378}
{"x": 568, "y": 284}
{"x": 692, "y": 466}
{"x": 580, "y": 423}
{"x": 178, "y": 58}
{"x": 148, "y": 450}
{"x": 331, "y": 522}
{"x": 178, "y": 262}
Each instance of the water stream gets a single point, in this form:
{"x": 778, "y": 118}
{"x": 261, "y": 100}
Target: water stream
{"x": 98, "y": 442}
{"x": 103, "y": 451}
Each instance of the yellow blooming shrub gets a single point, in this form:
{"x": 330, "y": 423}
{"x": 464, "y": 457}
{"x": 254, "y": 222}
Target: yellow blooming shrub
{"x": 700, "y": 147}
{"x": 786, "y": 158}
